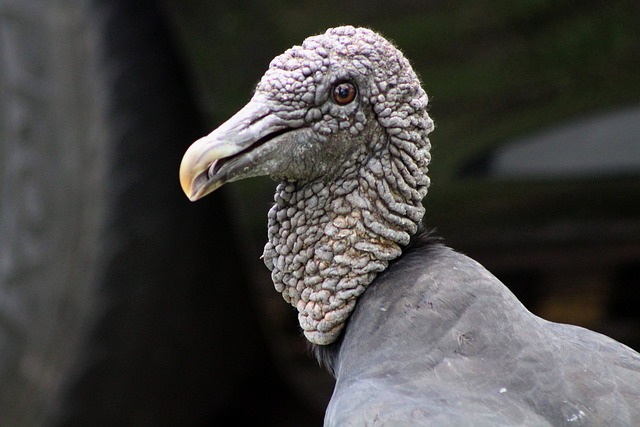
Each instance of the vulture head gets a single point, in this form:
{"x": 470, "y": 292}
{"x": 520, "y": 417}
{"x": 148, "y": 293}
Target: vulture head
{"x": 341, "y": 121}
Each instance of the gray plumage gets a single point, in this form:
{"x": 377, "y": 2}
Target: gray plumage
{"x": 431, "y": 337}
{"x": 438, "y": 340}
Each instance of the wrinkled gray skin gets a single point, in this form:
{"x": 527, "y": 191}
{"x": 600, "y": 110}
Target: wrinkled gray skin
{"x": 353, "y": 175}
{"x": 434, "y": 338}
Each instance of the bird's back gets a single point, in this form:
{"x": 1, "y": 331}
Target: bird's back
{"x": 438, "y": 340}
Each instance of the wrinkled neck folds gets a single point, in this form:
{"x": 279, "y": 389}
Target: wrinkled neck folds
{"x": 329, "y": 239}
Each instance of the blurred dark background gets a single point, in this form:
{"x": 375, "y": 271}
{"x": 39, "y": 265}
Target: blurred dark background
{"x": 123, "y": 304}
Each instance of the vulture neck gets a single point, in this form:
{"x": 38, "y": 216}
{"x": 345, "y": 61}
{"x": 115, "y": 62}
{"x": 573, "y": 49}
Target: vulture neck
{"x": 329, "y": 239}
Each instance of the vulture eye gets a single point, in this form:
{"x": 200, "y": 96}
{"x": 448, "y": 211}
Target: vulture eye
{"x": 344, "y": 93}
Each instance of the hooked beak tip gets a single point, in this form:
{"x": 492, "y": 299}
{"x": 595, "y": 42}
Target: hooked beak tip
{"x": 250, "y": 124}
{"x": 185, "y": 183}
{"x": 192, "y": 167}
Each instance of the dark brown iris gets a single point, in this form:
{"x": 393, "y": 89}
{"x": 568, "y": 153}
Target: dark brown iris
{"x": 344, "y": 93}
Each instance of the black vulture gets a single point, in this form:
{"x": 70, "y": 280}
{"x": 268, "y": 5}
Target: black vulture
{"x": 414, "y": 332}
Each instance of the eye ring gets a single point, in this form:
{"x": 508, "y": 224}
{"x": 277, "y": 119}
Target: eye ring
{"x": 344, "y": 93}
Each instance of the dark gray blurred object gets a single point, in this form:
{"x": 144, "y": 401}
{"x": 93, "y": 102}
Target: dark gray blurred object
{"x": 106, "y": 313}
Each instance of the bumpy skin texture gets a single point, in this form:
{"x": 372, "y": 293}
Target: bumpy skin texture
{"x": 355, "y": 204}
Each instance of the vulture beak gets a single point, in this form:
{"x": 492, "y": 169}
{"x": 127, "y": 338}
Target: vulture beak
{"x": 225, "y": 154}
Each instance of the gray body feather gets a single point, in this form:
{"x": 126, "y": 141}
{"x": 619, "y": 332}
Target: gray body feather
{"x": 438, "y": 340}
